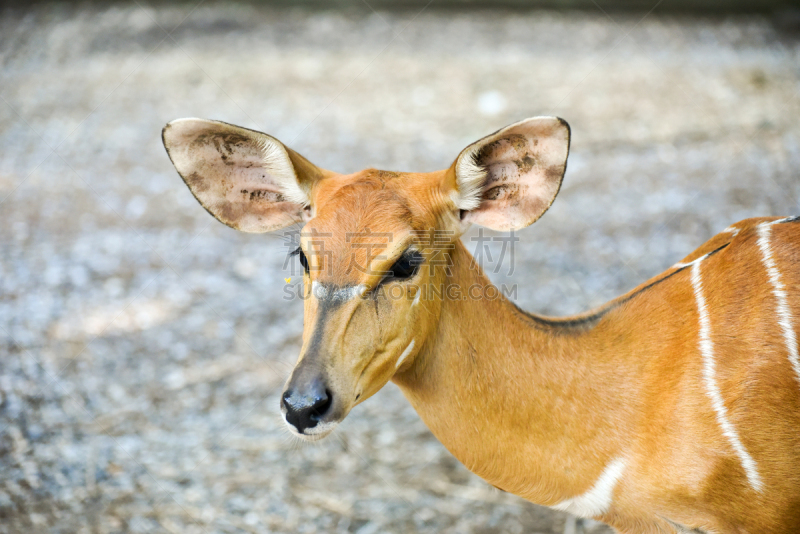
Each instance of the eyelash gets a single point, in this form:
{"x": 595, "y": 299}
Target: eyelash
{"x": 302, "y": 257}
{"x": 404, "y": 268}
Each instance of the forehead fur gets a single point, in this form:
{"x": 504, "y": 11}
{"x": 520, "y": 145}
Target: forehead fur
{"x": 383, "y": 198}
{"x": 362, "y": 215}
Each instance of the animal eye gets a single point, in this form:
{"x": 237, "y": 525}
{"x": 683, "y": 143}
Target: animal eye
{"x": 406, "y": 266}
{"x": 303, "y": 260}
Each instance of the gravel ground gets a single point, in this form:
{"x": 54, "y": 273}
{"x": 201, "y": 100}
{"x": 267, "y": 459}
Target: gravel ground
{"x": 144, "y": 344}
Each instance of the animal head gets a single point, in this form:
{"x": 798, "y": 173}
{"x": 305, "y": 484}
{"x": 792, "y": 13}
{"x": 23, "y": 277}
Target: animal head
{"x": 372, "y": 241}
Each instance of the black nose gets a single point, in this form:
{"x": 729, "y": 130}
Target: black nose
{"x": 306, "y": 406}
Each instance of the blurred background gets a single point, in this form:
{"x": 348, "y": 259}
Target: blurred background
{"x": 143, "y": 345}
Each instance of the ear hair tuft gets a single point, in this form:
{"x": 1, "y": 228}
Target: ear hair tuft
{"x": 279, "y": 166}
{"x": 470, "y": 177}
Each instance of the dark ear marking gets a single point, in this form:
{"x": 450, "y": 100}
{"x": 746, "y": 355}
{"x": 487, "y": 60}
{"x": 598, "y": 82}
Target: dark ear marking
{"x": 265, "y": 195}
{"x": 196, "y": 182}
{"x": 507, "y": 180}
{"x": 246, "y": 179}
{"x": 504, "y": 191}
{"x": 225, "y": 144}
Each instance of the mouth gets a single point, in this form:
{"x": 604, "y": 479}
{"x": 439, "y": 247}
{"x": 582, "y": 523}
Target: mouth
{"x": 311, "y": 411}
{"x": 315, "y": 433}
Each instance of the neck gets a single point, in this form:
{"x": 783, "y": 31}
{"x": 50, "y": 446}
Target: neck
{"x": 525, "y": 403}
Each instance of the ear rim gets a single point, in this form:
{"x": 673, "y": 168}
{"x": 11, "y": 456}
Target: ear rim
{"x": 272, "y": 149}
{"x": 470, "y": 176}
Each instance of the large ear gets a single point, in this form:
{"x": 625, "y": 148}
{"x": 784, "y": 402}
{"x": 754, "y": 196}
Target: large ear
{"x": 246, "y": 179}
{"x": 508, "y": 179}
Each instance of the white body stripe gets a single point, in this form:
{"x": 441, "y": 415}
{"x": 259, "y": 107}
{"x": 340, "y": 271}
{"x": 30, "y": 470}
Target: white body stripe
{"x": 784, "y": 313}
{"x": 597, "y": 500}
{"x": 680, "y": 265}
{"x": 732, "y": 230}
{"x": 689, "y": 263}
{"x": 709, "y": 376}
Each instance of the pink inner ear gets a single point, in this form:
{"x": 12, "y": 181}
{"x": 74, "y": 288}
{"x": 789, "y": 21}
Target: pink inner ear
{"x": 223, "y": 165}
{"x": 525, "y": 164}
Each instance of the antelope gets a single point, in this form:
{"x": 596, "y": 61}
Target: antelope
{"x": 673, "y": 408}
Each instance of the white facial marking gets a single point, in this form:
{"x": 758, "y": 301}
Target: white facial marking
{"x": 709, "y": 376}
{"x": 598, "y": 499}
{"x": 311, "y": 434}
{"x": 322, "y": 292}
{"x": 405, "y": 354}
{"x": 321, "y": 429}
{"x": 416, "y": 298}
{"x": 318, "y": 290}
{"x": 347, "y": 293}
{"x": 778, "y": 289}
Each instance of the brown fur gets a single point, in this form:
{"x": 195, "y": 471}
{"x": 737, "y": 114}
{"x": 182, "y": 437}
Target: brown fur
{"x": 539, "y": 407}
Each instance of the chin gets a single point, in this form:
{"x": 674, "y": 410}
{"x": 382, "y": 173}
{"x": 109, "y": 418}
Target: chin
{"x": 316, "y": 433}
